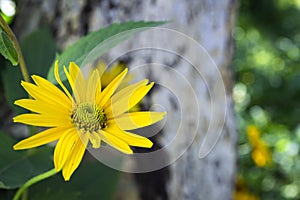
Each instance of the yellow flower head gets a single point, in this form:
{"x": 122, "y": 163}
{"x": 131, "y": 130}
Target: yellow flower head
{"x": 253, "y": 135}
{"x": 91, "y": 115}
{"x": 260, "y": 153}
{"x": 261, "y": 156}
{"x": 241, "y": 191}
{"x": 108, "y": 75}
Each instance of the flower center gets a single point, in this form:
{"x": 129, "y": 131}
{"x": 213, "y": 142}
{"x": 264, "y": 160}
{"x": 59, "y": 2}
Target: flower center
{"x": 89, "y": 117}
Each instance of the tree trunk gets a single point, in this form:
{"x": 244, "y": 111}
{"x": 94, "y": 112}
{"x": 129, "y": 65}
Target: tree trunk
{"x": 198, "y": 158}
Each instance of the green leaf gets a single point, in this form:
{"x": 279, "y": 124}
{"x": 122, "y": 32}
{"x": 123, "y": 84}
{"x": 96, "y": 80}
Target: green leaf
{"x": 13, "y": 90}
{"x": 7, "y": 48}
{"x": 92, "y": 180}
{"x": 39, "y": 51}
{"x": 17, "y": 167}
{"x": 95, "y": 44}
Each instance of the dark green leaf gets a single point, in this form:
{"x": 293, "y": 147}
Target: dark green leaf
{"x": 39, "y": 51}
{"x": 7, "y": 48}
{"x": 13, "y": 90}
{"x": 7, "y": 194}
{"x": 90, "y": 47}
{"x": 92, "y": 180}
{"x": 16, "y": 167}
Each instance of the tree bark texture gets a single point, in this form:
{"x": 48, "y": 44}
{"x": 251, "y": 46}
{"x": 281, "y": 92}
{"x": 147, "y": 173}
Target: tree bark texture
{"x": 209, "y": 175}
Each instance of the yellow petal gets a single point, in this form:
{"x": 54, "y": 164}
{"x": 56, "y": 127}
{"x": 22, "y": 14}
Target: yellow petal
{"x": 128, "y": 89}
{"x": 93, "y": 84}
{"x": 48, "y": 88}
{"x": 116, "y": 143}
{"x": 50, "y": 109}
{"x": 42, "y": 138}
{"x": 110, "y": 89}
{"x": 38, "y": 94}
{"x": 74, "y": 73}
{"x": 134, "y": 120}
{"x": 116, "y": 69}
{"x": 63, "y": 148}
{"x": 94, "y": 139}
{"x": 32, "y": 90}
{"x": 130, "y": 138}
{"x": 98, "y": 90}
{"x": 108, "y": 106}
{"x": 126, "y": 102}
{"x": 101, "y": 67}
{"x": 108, "y": 75}
{"x": 42, "y": 120}
{"x": 77, "y": 82}
{"x": 75, "y": 157}
{"x": 57, "y": 77}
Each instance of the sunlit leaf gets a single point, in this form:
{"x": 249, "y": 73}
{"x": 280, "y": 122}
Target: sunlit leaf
{"x": 84, "y": 49}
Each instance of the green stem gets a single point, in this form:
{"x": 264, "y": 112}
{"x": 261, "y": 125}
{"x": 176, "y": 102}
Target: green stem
{"x": 15, "y": 42}
{"x": 24, "y": 195}
{"x": 32, "y": 181}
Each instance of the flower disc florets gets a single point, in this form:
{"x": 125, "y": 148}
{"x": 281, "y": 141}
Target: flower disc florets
{"x": 89, "y": 117}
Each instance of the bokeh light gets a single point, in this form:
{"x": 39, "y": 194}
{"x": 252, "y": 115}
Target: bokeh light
{"x": 266, "y": 96}
{"x": 8, "y": 7}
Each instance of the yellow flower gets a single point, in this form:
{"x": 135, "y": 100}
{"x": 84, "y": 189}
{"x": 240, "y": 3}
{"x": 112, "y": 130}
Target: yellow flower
{"x": 108, "y": 75}
{"x": 253, "y": 135}
{"x": 261, "y": 156}
{"x": 91, "y": 115}
{"x": 244, "y": 195}
{"x": 260, "y": 153}
{"x": 241, "y": 191}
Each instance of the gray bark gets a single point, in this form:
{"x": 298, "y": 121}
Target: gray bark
{"x": 210, "y": 23}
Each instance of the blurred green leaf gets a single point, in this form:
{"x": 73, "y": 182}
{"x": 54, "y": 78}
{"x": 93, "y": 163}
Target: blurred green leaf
{"x": 92, "y": 180}
{"x": 85, "y": 49}
{"x": 7, "y": 48}
{"x": 17, "y": 167}
{"x": 39, "y": 50}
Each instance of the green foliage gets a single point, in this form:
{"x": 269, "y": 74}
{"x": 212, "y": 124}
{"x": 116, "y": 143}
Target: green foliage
{"x": 90, "y": 47}
{"x": 7, "y": 48}
{"x": 92, "y": 180}
{"x": 13, "y": 90}
{"x": 16, "y": 167}
{"x": 267, "y": 94}
{"x": 39, "y": 50}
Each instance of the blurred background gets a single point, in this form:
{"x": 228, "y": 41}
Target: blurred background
{"x": 266, "y": 95}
